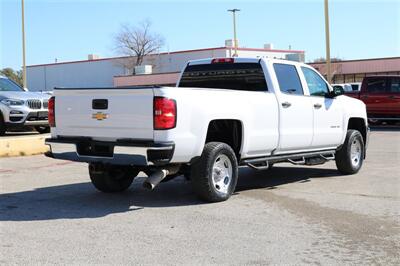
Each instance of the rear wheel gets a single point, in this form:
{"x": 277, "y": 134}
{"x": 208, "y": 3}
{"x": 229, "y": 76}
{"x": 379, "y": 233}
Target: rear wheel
{"x": 42, "y": 129}
{"x": 214, "y": 175}
{"x": 112, "y": 178}
{"x": 349, "y": 158}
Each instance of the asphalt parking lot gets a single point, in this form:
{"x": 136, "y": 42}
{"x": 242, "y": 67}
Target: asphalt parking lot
{"x": 50, "y": 213}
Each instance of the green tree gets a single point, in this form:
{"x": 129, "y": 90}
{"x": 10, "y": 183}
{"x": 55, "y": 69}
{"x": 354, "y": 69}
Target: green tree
{"x": 15, "y": 75}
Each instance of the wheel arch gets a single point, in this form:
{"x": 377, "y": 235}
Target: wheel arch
{"x": 229, "y": 131}
{"x": 360, "y": 124}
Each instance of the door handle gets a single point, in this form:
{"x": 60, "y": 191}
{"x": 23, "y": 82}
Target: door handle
{"x": 393, "y": 97}
{"x": 317, "y": 105}
{"x": 286, "y": 104}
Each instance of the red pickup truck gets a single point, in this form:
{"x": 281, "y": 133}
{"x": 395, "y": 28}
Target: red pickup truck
{"x": 381, "y": 94}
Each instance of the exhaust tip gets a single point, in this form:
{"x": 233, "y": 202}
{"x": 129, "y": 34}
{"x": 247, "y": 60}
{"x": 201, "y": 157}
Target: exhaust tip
{"x": 148, "y": 185}
{"x": 154, "y": 179}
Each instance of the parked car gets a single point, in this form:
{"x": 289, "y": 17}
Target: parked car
{"x": 356, "y": 86}
{"x": 224, "y": 113}
{"x": 381, "y": 94}
{"x": 20, "y": 108}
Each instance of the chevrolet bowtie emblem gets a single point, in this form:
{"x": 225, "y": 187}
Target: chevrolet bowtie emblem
{"x": 99, "y": 116}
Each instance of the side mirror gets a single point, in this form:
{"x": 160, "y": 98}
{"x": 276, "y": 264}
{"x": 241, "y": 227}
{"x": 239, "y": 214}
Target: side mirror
{"x": 337, "y": 91}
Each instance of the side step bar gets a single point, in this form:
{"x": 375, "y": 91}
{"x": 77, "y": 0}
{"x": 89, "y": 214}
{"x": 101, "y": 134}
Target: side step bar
{"x": 308, "y": 158}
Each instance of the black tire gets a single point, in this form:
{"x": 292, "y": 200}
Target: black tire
{"x": 42, "y": 129}
{"x": 202, "y": 173}
{"x": 187, "y": 176}
{"x": 3, "y": 128}
{"x": 112, "y": 178}
{"x": 344, "y": 161}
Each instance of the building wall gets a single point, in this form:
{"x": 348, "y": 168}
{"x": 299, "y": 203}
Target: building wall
{"x": 97, "y": 73}
{"x": 260, "y": 53}
{"x": 174, "y": 62}
{"x": 100, "y": 72}
{"x": 356, "y": 70}
{"x": 164, "y": 79}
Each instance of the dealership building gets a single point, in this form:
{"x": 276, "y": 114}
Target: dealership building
{"x": 164, "y": 68}
{"x": 157, "y": 69}
{"x": 347, "y": 71}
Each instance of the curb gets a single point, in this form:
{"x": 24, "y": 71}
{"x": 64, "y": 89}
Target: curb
{"x": 23, "y": 146}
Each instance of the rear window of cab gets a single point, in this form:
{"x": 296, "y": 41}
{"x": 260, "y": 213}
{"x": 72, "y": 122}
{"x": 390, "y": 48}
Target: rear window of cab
{"x": 232, "y": 76}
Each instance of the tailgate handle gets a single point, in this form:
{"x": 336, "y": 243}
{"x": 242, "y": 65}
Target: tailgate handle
{"x": 100, "y": 104}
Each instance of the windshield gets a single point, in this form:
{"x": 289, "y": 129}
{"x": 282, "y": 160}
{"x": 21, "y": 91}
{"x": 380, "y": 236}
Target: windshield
{"x": 233, "y": 76}
{"x": 9, "y": 85}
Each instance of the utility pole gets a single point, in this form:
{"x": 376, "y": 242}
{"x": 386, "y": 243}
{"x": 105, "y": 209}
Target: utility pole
{"x": 328, "y": 52}
{"x": 234, "y": 29}
{"x": 23, "y": 47}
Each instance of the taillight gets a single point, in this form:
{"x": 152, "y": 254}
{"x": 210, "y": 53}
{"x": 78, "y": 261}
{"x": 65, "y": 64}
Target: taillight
{"x": 222, "y": 60}
{"x": 164, "y": 113}
{"x": 51, "y": 115}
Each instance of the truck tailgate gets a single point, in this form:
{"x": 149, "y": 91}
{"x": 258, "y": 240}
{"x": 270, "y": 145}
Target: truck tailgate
{"x": 105, "y": 114}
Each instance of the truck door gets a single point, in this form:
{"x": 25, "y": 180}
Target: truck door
{"x": 375, "y": 96}
{"x": 295, "y": 110}
{"x": 327, "y": 112}
{"x": 393, "y": 104}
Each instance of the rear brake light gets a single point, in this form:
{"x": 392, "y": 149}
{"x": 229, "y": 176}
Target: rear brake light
{"x": 51, "y": 115}
{"x": 164, "y": 113}
{"x": 222, "y": 60}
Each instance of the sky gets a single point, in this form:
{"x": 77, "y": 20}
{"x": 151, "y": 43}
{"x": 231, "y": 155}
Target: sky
{"x": 70, "y": 30}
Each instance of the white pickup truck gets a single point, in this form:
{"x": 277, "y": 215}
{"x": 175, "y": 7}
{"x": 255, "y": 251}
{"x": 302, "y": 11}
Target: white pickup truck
{"x": 223, "y": 113}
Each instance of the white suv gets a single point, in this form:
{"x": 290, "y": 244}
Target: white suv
{"x": 20, "y": 108}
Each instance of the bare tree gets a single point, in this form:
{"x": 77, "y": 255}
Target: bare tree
{"x": 323, "y": 60}
{"x": 136, "y": 42}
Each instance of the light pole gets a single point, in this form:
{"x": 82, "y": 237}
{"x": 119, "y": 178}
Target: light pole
{"x": 234, "y": 29}
{"x": 23, "y": 47}
{"x": 328, "y": 53}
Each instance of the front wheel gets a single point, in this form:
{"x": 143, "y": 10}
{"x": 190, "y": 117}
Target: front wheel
{"x": 349, "y": 158}
{"x": 214, "y": 175}
{"x": 112, "y": 178}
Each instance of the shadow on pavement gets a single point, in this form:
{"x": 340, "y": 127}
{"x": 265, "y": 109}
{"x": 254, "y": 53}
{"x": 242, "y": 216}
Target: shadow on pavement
{"x": 270, "y": 179}
{"x": 81, "y": 200}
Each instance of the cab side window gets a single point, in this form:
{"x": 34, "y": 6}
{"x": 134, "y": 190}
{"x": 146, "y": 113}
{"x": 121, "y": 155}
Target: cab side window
{"x": 316, "y": 85}
{"x": 288, "y": 79}
{"x": 376, "y": 85}
{"x": 395, "y": 85}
